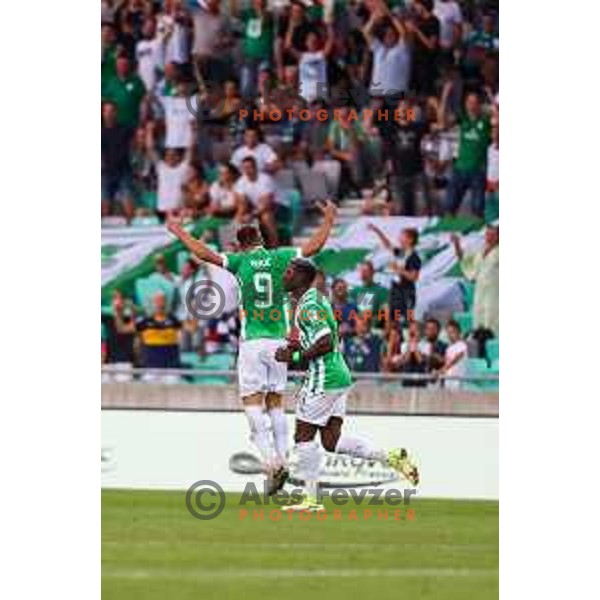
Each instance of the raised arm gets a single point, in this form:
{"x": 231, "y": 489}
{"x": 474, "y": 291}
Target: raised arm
{"x": 329, "y": 41}
{"x": 385, "y": 240}
{"x": 317, "y": 241}
{"x": 197, "y": 247}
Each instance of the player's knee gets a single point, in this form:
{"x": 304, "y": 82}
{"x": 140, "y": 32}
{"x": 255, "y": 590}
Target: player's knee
{"x": 329, "y": 439}
{"x": 304, "y": 433}
{"x": 255, "y": 399}
{"x": 273, "y": 400}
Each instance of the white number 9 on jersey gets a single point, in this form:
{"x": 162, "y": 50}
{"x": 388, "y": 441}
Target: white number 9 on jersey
{"x": 263, "y": 284}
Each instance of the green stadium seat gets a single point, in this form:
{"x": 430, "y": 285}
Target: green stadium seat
{"x": 492, "y": 350}
{"x": 479, "y": 366}
{"x": 465, "y": 320}
{"x": 150, "y": 220}
{"x": 148, "y": 200}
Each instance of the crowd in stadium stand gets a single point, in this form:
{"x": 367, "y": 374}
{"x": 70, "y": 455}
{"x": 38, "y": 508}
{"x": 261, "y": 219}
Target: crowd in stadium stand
{"x": 221, "y": 108}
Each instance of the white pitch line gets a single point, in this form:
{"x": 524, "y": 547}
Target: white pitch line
{"x": 291, "y": 573}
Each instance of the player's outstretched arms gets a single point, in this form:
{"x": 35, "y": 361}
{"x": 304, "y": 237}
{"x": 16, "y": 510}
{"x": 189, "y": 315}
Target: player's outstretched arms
{"x": 197, "y": 247}
{"x": 317, "y": 241}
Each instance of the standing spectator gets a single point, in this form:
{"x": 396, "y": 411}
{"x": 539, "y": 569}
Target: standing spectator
{"x": 369, "y": 295}
{"x": 257, "y": 44}
{"x": 295, "y": 17}
{"x": 363, "y": 349}
{"x": 121, "y": 339}
{"x": 404, "y": 141}
{"x": 263, "y": 197}
{"x": 432, "y": 347}
{"x": 450, "y": 17}
{"x": 116, "y": 177}
{"x": 425, "y": 32}
{"x": 159, "y": 336}
{"x": 126, "y": 90}
{"x": 312, "y": 62}
{"x": 150, "y": 55}
{"x": 345, "y": 310}
{"x": 173, "y": 24}
{"x": 264, "y": 156}
{"x": 172, "y": 173}
{"x": 483, "y": 268}
{"x": 191, "y": 332}
{"x": 492, "y": 210}
{"x": 412, "y": 358}
{"x": 211, "y": 36}
{"x": 470, "y": 165}
{"x": 406, "y": 267}
{"x": 455, "y": 359}
{"x": 179, "y": 120}
{"x": 391, "y": 54}
{"x": 110, "y": 51}
{"x": 347, "y": 143}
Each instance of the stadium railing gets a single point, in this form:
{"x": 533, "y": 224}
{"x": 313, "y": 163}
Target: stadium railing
{"x": 373, "y": 393}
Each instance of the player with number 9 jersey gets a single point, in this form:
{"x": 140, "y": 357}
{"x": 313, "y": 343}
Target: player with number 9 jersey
{"x": 264, "y": 310}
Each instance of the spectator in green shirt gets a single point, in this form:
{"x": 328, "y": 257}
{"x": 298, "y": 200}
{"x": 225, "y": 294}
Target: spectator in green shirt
{"x": 257, "y": 43}
{"x": 126, "y": 90}
{"x": 370, "y": 296}
{"x": 469, "y": 172}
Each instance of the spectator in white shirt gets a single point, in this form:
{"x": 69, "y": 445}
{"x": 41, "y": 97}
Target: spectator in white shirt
{"x": 173, "y": 23}
{"x": 391, "y": 55}
{"x": 172, "y": 173}
{"x": 265, "y": 157}
{"x": 455, "y": 359}
{"x": 179, "y": 119}
{"x": 312, "y": 62}
{"x": 149, "y": 55}
{"x": 450, "y": 17}
{"x": 261, "y": 195}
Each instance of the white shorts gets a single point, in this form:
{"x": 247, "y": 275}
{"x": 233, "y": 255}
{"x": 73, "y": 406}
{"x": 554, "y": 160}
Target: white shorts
{"x": 258, "y": 371}
{"x": 318, "y": 408}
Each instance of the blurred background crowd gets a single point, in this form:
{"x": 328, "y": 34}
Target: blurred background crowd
{"x": 177, "y": 73}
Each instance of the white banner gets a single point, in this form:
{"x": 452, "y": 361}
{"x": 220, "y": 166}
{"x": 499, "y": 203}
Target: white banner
{"x": 457, "y": 457}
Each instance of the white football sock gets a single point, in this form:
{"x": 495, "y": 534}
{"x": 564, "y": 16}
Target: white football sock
{"x": 359, "y": 447}
{"x": 280, "y": 433}
{"x": 259, "y": 433}
{"x": 309, "y": 465}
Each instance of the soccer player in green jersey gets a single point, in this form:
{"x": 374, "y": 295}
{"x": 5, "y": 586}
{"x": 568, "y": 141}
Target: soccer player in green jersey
{"x": 321, "y": 401}
{"x": 264, "y": 326}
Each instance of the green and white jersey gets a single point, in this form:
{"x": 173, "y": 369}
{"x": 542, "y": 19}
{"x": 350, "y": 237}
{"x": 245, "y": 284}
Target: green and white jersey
{"x": 314, "y": 318}
{"x": 264, "y": 310}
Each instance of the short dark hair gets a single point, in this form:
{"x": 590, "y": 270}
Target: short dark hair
{"x": 248, "y": 235}
{"x": 414, "y": 235}
{"x": 435, "y": 322}
{"x": 250, "y": 159}
{"x": 453, "y": 323}
{"x": 306, "y": 268}
{"x": 428, "y": 4}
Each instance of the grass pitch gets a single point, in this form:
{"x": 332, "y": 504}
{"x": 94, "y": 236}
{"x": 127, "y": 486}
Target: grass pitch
{"x": 152, "y": 548}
